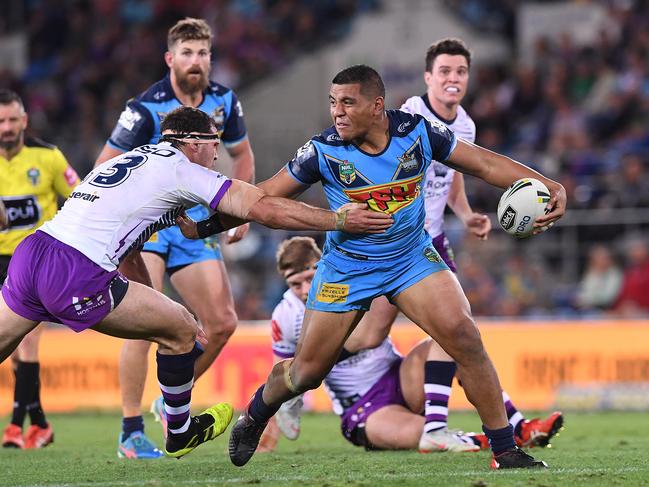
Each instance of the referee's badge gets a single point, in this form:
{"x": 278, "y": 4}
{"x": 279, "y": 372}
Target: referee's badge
{"x": 34, "y": 175}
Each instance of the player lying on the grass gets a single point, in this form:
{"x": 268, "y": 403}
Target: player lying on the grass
{"x": 67, "y": 273}
{"x": 380, "y": 156}
{"x": 398, "y": 410}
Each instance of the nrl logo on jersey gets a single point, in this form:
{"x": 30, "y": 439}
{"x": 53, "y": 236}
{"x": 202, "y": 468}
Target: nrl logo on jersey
{"x": 390, "y": 197}
{"x": 347, "y": 172}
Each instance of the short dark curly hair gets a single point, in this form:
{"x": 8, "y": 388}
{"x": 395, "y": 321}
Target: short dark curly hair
{"x": 451, "y": 46}
{"x": 184, "y": 120}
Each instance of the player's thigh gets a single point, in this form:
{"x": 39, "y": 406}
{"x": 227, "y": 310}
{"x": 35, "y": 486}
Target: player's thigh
{"x": 147, "y": 314}
{"x": 394, "y": 427}
{"x": 322, "y": 338}
{"x": 13, "y": 328}
{"x": 205, "y": 288}
{"x": 436, "y": 303}
{"x": 374, "y": 327}
{"x": 156, "y": 266}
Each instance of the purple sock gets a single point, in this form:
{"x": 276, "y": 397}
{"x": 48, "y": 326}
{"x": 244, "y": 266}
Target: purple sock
{"x": 438, "y": 377}
{"x": 514, "y": 417}
{"x": 176, "y": 379}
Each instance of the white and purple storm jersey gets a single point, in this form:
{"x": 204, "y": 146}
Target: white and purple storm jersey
{"x": 350, "y": 378}
{"x": 122, "y": 202}
{"x": 439, "y": 177}
{"x": 139, "y": 123}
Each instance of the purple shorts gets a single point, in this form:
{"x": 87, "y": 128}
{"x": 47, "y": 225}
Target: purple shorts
{"x": 445, "y": 251}
{"x": 385, "y": 392}
{"x": 48, "y": 280}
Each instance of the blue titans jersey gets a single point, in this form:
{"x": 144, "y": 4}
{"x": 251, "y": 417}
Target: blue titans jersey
{"x": 389, "y": 182}
{"x": 139, "y": 123}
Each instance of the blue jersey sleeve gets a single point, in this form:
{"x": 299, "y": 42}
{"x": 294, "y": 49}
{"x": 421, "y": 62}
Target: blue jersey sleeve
{"x": 442, "y": 139}
{"x": 234, "y": 128}
{"x": 134, "y": 128}
{"x": 304, "y": 166}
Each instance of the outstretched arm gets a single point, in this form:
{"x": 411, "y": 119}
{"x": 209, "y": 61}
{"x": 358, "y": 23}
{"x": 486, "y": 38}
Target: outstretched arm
{"x": 502, "y": 171}
{"x": 243, "y": 202}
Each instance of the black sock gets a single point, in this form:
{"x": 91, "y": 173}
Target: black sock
{"x": 34, "y": 408}
{"x": 132, "y": 424}
{"x": 26, "y": 383}
{"x": 501, "y": 439}
{"x": 259, "y": 410}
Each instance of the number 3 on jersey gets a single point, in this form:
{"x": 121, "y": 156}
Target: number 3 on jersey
{"x": 118, "y": 172}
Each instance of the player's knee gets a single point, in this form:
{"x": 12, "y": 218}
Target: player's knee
{"x": 220, "y": 328}
{"x": 465, "y": 338}
{"x": 184, "y": 332}
{"x": 305, "y": 378}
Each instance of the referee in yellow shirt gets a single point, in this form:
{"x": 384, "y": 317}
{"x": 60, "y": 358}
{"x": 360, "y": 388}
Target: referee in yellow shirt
{"x": 33, "y": 174}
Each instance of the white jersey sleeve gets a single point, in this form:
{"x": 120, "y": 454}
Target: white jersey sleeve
{"x": 286, "y": 325}
{"x": 121, "y": 203}
{"x": 439, "y": 177}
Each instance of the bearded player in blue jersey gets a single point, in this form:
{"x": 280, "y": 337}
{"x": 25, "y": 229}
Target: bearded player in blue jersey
{"x": 195, "y": 267}
{"x": 379, "y": 157}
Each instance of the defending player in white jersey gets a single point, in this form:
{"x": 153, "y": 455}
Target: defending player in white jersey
{"x": 447, "y": 76}
{"x": 377, "y": 392}
{"x": 67, "y": 273}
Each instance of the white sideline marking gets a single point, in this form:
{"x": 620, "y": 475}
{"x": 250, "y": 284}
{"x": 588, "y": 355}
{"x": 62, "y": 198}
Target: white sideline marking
{"x": 413, "y": 475}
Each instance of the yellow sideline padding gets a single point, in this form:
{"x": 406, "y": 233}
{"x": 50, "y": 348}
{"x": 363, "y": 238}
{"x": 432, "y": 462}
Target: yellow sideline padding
{"x": 79, "y": 371}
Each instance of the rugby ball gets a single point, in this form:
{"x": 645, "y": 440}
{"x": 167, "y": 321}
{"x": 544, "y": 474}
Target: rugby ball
{"x": 522, "y": 203}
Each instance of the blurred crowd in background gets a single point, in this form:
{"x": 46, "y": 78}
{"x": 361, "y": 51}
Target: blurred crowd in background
{"x": 580, "y": 113}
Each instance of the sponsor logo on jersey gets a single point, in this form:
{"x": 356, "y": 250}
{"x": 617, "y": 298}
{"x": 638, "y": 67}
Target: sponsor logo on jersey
{"x": 403, "y": 126}
{"x": 390, "y": 197}
{"x": 347, "y": 172}
{"x": 70, "y": 176}
{"x": 22, "y": 211}
{"x": 159, "y": 95}
{"x": 276, "y": 331}
{"x": 332, "y": 293}
{"x": 508, "y": 218}
{"x": 78, "y": 195}
{"x": 440, "y": 169}
{"x": 84, "y": 305}
{"x": 129, "y": 118}
{"x": 33, "y": 175}
{"x": 333, "y": 138}
{"x": 441, "y": 127}
{"x": 431, "y": 254}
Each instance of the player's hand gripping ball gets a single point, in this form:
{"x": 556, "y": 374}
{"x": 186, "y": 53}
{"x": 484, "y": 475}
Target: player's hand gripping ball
{"x": 522, "y": 203}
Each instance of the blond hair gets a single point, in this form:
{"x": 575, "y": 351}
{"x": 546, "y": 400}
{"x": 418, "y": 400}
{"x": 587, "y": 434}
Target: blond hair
{"x": 189, "y": 29}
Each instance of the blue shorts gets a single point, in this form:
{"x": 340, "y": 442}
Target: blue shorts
{"x": 178, "y": 251}
{"x": 343, "y": 283}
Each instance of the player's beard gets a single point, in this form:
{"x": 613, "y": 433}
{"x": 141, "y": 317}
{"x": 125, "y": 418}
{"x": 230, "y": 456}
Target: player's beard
{"x": 188, "y": 85}
{"x": 8, "y": 144}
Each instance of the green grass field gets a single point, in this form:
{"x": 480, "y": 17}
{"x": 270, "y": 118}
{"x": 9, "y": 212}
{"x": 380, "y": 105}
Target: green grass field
{"x": 594, "y": 449}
